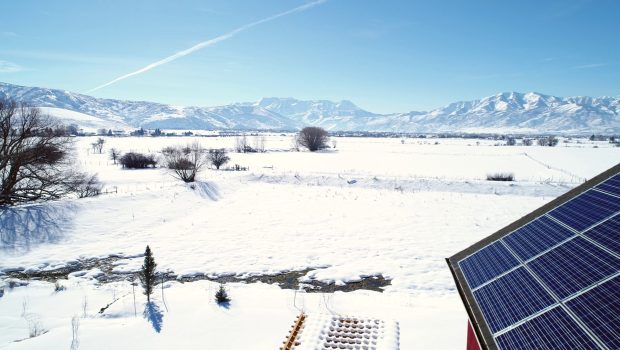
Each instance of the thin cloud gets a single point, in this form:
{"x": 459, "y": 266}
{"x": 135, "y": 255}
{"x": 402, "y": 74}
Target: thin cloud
{"x": 591, "y": 65}
{"x": 10, "y": 67}
{"x": 8, "y": 34}
{"x": 208, "y": 43}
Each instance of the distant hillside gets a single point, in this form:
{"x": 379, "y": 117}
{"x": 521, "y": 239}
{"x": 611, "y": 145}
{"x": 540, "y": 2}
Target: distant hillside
{"x": 506, "y": 112}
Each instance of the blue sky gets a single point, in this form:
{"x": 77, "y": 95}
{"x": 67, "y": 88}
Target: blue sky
{"x": 385, "y": 56}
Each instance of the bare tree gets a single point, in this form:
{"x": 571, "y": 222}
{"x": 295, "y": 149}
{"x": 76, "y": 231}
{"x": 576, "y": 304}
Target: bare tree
{"x": 84, "y": 185}
{"x": 35, "y": 161}
{"x": 549, "y": 141}
{"x": 185, "y": 162}
{"x": 114, "y": 154}
{"x": 218, "y": 157}
{"x": 242, "y": 145}
{"x": 98, "y": 145}
{"x": 313, "y": 138}
{"x": 259, "y": 144}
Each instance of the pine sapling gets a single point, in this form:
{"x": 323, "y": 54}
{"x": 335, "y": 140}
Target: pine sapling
{"x": 221, "y": 297}
{"x": 147, "y": 273}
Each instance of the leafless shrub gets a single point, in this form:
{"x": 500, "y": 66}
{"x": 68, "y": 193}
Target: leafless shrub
{"x": 186, "y": 162}
{"x": 58, "y": 287}
{"x": 218, "y": 157}
{"x": 501, "y": 177}
{"x": 35, "y": 327}
{"x": 313, "y": 138}
{"x": 259, "y": 144}
{"x": 133, "y": 160}
{"x": 242, "y": 145}
{"x": 549, "y": 141}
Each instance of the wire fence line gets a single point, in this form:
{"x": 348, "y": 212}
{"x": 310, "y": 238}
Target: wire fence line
{"x": 564, "y": 171}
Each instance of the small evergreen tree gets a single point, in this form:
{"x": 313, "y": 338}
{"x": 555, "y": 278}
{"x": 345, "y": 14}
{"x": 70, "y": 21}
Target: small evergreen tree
{"x": 221, "y": 297}
{"x": 147, "y": 273}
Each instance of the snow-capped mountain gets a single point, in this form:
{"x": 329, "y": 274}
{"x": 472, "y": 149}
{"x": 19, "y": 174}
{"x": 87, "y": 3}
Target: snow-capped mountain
{"x": 92, "y": 112}
{"x": 530, "y": 112}
{"x": 506, "y": 112}
{"x": 343, "y": 115}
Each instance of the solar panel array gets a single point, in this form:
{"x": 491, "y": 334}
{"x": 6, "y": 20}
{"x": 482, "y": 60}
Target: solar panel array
{"x": 554, "y": 283}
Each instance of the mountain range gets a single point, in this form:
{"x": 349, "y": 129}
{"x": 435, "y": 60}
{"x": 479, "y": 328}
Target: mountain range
{"x": 508, "y": 112}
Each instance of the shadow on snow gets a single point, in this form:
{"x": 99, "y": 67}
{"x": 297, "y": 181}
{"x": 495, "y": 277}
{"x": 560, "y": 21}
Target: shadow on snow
{"x": 206, "y": 190}
{"x": 23, "y": 228}
{"x": 154, "y": 315}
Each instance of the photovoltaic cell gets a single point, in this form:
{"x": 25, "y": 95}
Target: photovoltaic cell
{"x": 607, "y": 234}
{"x": 486, "y": 264}
{"x": 554, "y": 329}
{"x": 599, "y": 309}
{"x": 511, "y": 298}
{"x": 573, "y": 266}
{"x": 537, "y": 236}
{"x": 587, "y": 209}
{"x": 612, "y": 185}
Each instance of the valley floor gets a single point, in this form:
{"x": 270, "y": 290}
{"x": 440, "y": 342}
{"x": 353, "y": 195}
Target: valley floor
{"x": 370, "y": 207}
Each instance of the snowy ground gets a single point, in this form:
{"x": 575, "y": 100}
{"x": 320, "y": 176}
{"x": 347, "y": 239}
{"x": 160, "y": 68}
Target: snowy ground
{"x": 369, "y": 207}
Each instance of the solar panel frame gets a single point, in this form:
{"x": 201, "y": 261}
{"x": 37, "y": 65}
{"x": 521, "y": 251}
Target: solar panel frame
{"x": 481, "y": 328}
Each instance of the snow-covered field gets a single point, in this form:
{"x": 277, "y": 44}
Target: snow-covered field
{"x": 371, "y": 206}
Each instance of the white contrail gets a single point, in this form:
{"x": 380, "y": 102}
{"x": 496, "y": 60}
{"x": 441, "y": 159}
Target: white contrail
{"x": 208, "y": 43}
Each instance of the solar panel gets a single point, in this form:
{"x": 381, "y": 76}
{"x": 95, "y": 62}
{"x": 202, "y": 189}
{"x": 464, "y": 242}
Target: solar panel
{"x": 599, "y": 309}
{"x": 511, "y": 298}
{"x": 607, "y": 234}
{"x": 536, "y": 237}
{"x": 550, "y": 280}
{"x": 554, "y": 329}
{"x": 612, "y": 185}
{"x": 487, "y": 263}
{"x": 587, "y": 209}
{"x": 574, "y": 266}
